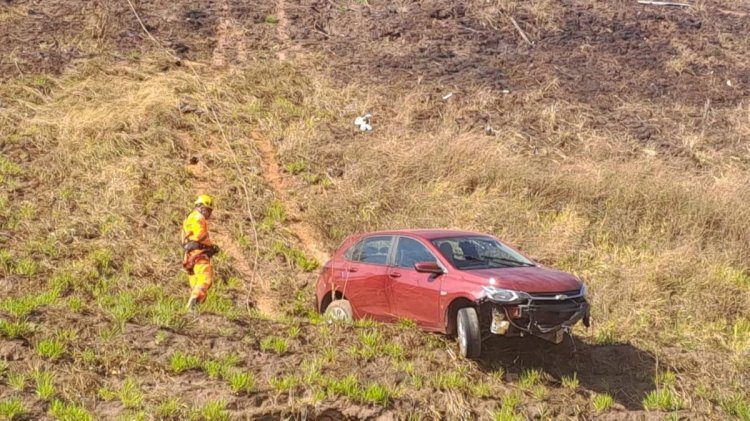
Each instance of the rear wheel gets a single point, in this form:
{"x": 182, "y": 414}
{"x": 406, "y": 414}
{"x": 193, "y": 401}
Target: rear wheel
{"x": 468, "y": 334}
{"x": 339, "y": 310}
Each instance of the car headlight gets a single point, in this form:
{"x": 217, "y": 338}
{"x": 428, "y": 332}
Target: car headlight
{"x": 505, "y": 295}
{"x": 584, "y": 289}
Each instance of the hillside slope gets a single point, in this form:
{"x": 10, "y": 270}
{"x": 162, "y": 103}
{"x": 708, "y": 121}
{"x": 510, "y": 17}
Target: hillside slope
{"x": 614, "y": 147}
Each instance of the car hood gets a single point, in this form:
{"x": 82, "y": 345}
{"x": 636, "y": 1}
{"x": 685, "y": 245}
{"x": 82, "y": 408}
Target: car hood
{"x": 526, "y": 279}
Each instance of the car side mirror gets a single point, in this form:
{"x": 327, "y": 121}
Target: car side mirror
{"x": 428, "y": 267}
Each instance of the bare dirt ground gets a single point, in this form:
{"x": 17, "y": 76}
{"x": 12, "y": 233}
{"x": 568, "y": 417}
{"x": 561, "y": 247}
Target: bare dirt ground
{"x": 629, "y": 76}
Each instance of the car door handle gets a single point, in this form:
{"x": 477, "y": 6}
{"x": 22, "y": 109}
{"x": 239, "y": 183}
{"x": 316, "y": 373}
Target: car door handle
{"x": 352, "y": 269}
{"x": 395, "y": 275}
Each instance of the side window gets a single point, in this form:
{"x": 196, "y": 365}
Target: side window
{"x": 410, "y": 251}
{"x": 370, "y": 250}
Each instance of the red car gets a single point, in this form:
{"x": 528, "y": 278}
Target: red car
{"x": 458, "y": 283}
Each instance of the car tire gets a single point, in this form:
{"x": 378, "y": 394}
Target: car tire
{"x": 468, "y": 334}
{"x": 339, "y": 310}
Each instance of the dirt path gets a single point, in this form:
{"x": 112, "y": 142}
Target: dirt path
{"x": 273, "y": 175}
{"x": 229, "y": 41}
{"x": 204, "y": 181}
{"x": 282, "y": 29}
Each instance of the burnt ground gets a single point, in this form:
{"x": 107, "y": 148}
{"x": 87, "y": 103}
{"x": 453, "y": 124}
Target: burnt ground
{"x": 593, "y": 55}
{"x": 586, "y": 55}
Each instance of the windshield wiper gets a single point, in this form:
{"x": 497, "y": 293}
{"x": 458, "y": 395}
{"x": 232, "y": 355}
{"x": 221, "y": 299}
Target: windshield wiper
{"x": 499, "y": 259}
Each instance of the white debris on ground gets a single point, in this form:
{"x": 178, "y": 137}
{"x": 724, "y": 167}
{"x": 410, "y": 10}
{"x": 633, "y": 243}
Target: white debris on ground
{"x": 446, "y": 97}
{"x": 363, "y": 122}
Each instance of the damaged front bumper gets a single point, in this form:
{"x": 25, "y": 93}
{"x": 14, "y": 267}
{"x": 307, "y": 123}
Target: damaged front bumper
{"x": 547, "y": 316}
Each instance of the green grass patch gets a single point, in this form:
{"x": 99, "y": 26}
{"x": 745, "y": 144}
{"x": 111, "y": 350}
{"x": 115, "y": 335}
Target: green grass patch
{"x": 275, "y": 344}
{"x": 170, "y": 408}
{"x": 296, "y": 167}
{"x": 68, "y": 411}
{"x": 17, "y": 329}
{"x": 275, "y": 214}
{"x": 507, "y": 412}
{"x": 452, "y": 380}
{"x": 376, "y": 393}
{"x": 373, "y": 345}
{"x": 530, "y": 378}
{"x": 271, "y": 19}
{"x": 19, "y": 307}
{"x": 348, "y": 386}
{"x": 26, "y": 268}
{"x": 736, "y": 406}
{"x": 213, "y": 411}
{"x": 570, "y": 382}
{"x": 180, "y": 362}
{"x": 12, "y": 408}
{"x": 167, "y": 312}
{"x": 284, "y": 384}
{"x": 603, "y": 402}
{"x": 45, "y": 387}
{"x": 662, "y": 399}
{"x": 605, "y": 336}
{"x": 295, "y": 256}
{"x": 17, "y": 381}
{"x": 51, "y": 349}
{"x": 214, "y": 369}
{"x": 241, "y": 382}
{"x": 480, "y": 390}
{"x": 130, "y": 393}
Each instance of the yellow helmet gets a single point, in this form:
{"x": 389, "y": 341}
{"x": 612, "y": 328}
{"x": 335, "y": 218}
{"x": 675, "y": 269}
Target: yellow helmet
{"x": 205, "y": 200}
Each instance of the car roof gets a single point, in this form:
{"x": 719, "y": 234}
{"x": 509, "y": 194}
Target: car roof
{"x": 427, "y": 234}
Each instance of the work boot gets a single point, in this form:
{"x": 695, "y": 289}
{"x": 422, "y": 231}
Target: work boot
{"x": 192, "y": 304}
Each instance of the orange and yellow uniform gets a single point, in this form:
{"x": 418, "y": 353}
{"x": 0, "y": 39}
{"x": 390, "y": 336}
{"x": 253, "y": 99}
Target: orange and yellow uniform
{"x": 197, "y": 262}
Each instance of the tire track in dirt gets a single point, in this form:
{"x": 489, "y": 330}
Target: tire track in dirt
{"x": 228, "y": 39}
{"x": 303, "y": 231}
{"x": 204, "y": 181}
{"x": 282, "y": 31}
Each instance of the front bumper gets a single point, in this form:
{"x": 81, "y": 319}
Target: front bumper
{"x": 543, "y": 318}
{"x": 539, "y": 316}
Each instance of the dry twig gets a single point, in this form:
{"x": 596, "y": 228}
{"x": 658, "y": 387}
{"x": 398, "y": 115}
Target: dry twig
{"x": 662, "y": 3}
{"x": 520, "y": 31}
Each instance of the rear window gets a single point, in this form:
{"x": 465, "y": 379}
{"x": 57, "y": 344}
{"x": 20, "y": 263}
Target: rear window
{"x": 370, "y": 250}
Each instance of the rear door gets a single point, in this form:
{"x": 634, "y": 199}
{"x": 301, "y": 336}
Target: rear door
{"x": 366, "y": 278}
{"x": 415, "y": 295}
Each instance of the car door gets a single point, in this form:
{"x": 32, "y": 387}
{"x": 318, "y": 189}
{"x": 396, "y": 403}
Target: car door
{"x": 415, "y": 295}
{"x": 366, "y": 278}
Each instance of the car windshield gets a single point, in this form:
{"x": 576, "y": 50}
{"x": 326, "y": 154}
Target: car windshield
{"x": 469, "y": 253}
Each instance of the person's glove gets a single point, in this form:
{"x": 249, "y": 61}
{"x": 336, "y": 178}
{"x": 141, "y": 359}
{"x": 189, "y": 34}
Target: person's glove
{"x": 212, "y": 250}
{"x": 192, "y": 245}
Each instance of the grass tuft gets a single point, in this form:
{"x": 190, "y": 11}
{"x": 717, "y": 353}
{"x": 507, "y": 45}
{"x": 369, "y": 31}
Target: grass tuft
{"x": 242, "y": 382}
{"x": 570, "y": 382}
{"x": 530, "y": 378}
{"x": 275, "y": 344}
{"x": 68, "y": 411}
{"x": 130, "y": 393}
{"x": 603, "y": 402}
{"x": 14, "y": 330}
{"x": 180, "y": 362}
{"x": 12, "y": 408}
{"x": 45, "y": 389}
{"x": 214, "y": 411}
{"x": 51, "y": 349}
{"x": 662, "y": 399}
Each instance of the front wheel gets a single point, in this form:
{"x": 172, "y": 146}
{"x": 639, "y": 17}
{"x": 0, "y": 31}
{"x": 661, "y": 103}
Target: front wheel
{"x": 469, "y": 336}
{"x": 340, "y": 310}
